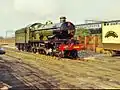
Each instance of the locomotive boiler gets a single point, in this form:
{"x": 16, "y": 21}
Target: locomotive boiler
{"x": 49, "y": 38}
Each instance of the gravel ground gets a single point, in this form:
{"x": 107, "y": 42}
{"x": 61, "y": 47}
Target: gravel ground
{"x": 7, "y": 75}
{"x": 22, "y": 76}
{"x": 85, "y": 54}
{"x": 28, "y": 70}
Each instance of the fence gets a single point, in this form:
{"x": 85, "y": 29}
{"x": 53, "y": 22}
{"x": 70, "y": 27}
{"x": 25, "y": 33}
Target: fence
{"x": 91, "y": 42}
{"x": 7, "y": 41}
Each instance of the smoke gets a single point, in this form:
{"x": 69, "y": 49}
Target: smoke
{"x": 39, "y": 7}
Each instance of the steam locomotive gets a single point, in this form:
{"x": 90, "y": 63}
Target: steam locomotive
{"x": 51, "y": 39}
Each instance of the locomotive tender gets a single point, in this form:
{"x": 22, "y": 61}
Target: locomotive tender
{"x": 49, "y": 38}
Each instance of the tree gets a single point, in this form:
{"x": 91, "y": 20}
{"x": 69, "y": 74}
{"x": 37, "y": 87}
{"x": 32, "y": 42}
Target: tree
{"x": 1, "y": 37}
{"x": 82, "y": 32}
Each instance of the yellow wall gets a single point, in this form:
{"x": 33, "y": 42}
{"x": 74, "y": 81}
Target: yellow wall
{"x": 116, "y": 29}
{"x": 7, "y": 41}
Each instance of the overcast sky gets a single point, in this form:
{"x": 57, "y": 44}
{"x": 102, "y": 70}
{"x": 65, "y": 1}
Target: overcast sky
{"x": 19, "y": 13}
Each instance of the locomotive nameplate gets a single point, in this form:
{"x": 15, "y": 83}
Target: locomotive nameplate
{"x": 75, "y": 47}
{"x": 111, "y": 34}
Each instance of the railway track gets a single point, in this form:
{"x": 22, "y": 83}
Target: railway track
{"x": 82, "y": 55}
{"x": 41, "y": 71}
{"x": 24, "y": 72}
{"x": 8, "y": 76}
{"x": 18, "y": 75}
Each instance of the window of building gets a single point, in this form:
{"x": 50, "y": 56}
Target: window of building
{"x": 95, "y": 25}
{"x": 118, "y": 22}
{"x": 107, "y": 23}
{"x": 98, "y": 25}
{"x": 113, "y": 23}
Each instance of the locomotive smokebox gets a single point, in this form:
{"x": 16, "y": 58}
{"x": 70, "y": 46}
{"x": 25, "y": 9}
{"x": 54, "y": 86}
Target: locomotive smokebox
{"x": 62, "y": 19}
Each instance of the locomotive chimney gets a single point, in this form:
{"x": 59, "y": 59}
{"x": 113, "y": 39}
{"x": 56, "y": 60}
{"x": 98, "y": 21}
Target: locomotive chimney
{"x": 62, "y": 19}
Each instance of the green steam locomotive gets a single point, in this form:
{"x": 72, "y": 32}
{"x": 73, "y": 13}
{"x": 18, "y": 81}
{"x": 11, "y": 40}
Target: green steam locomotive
{"x": 48, "y": 38}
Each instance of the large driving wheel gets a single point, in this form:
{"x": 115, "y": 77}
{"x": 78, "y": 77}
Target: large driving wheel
{"x": 43, "y": 52}
{"x": 74, "y": 54}
{"x": 34, "y": 50}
